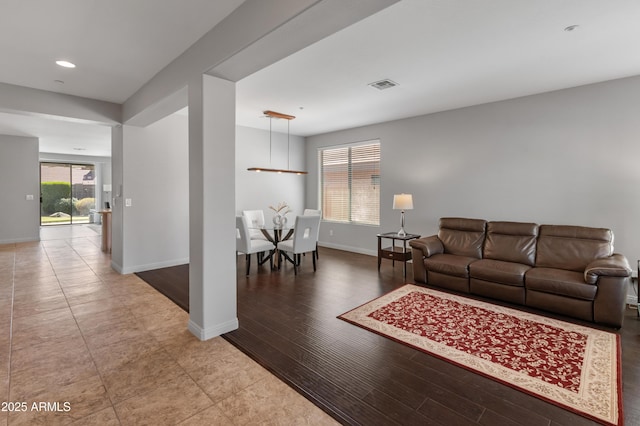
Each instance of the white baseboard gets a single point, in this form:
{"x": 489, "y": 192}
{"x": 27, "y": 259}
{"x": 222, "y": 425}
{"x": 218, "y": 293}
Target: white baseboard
{"x": 211, "y": 332}
{"x": 349, "y": 248}
{"x": 150, "y": 266}
{"x": 20, "y": 240}
{"x": 116, "y": 267}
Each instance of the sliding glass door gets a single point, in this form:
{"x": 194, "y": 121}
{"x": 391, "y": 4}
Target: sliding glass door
{"x": 67, "y": 193}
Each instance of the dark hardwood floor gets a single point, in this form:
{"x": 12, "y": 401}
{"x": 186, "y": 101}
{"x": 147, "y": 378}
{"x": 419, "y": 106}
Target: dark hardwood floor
{"x": 288, "y": 324}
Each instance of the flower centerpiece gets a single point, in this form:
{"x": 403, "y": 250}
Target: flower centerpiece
{"x": 280, "y": 218}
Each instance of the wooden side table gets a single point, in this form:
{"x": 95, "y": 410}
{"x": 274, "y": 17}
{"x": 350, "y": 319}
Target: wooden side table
{"x": 106, "y": 230}
{"x": 399, "y": 253}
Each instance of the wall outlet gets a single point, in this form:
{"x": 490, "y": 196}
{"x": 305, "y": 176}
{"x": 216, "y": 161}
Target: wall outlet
{"x": 127, "y": 202}
{"x": 29, "y": 197}
{"x": 331, "y": 232}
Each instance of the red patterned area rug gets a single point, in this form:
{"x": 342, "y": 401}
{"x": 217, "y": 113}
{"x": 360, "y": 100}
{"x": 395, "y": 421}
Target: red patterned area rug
{"x": 572, "y": 366}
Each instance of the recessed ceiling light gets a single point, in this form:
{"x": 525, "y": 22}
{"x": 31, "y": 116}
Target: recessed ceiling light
{"x": 571, "y": 28}
{"x": 66, "y": 64}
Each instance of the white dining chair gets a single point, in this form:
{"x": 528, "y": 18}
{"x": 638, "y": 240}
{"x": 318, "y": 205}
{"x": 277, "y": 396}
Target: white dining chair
{"x": 312, "y": 212}
{"x": 255, "y": 220}
{"x": 304, "y": 240}
{"x": 246, "y": 245}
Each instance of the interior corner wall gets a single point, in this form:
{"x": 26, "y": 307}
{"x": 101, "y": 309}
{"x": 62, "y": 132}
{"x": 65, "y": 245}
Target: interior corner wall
{"x": 564, "y": 157}
{"x": 258, "y": 191}
{"x": 155, "y": 231}
{"x": 19, "y": 177}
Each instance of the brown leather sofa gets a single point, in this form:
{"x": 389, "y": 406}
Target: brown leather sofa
{"x": 569, "y": 270}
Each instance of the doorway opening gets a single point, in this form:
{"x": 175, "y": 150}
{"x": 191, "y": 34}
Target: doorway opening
{"x": 67, "y": 193}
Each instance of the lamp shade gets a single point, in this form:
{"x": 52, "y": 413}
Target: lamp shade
{"x": 403, "y": 202}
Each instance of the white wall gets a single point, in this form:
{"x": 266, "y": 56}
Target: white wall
{"x": 117, "y": 211}
{"x": 258, "y": 191}
{"x": 156, "y": 168}
{"x": 19, "y": 177}
{"x": 565, "y": 157}
{"x": 156, "y": 179}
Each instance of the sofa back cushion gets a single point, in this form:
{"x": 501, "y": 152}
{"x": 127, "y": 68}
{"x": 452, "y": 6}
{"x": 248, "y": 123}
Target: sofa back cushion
{"x": 572, "y": 247}
{"x": 463, "y": 237}
{"x": 511, "y": 242}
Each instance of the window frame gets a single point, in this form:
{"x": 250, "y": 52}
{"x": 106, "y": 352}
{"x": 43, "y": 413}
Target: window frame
{"x": 321, "y": 180}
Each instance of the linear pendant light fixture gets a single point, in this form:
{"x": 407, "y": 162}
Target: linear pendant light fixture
{"x": 278, "y": 115}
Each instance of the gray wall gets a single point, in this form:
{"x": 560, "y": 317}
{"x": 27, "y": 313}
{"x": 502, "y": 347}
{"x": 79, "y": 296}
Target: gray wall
{"x": 156, "y": 179}
{"x": 258, "y": 191}
{"x": 19, "y": 177}
{"x": 565, "y": 157}
{"x": 156, "y": 226}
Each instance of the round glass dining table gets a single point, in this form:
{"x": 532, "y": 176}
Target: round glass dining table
{"x": 275, "y": 234}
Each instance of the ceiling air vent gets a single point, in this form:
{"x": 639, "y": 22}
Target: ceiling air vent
{"x": 383, "y": 84}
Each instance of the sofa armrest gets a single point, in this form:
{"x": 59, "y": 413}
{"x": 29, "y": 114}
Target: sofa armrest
{"x": 428, "y": 245}
{"x": 615, "y": 265}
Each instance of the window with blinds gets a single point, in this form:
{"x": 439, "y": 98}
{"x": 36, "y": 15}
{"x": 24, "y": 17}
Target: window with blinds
{"x": 350, "y": 183}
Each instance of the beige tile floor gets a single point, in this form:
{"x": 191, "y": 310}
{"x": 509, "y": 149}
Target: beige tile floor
{"x": 107, "y": 349}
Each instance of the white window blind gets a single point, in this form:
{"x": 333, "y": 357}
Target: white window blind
{"x": 350, "y": 183}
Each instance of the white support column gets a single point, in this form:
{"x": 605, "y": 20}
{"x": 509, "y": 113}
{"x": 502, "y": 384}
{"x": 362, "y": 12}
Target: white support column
{"x": 212, "y": 271}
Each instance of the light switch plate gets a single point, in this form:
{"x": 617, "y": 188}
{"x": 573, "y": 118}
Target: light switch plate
{"x": 29, "y": 197}
{"x": 127, "y": 202}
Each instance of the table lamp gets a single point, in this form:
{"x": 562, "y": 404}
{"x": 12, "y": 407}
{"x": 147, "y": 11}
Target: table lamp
{"x": 402, "y": 202}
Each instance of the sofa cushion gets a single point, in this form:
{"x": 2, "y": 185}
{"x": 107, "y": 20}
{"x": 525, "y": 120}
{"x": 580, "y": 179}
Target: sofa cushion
{"x": 499, "y": 272}
{"x": 572, "y": 247}
{"x": 462, "y": 237}
{"x": 561, "y": 282}
{"x": 511, "y": 242}
{"x": 449, "y": 264}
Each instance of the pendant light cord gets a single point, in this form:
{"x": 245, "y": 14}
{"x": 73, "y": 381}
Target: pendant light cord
{"x": 278, "y": 115}
{"x": 288, "y": 154}
{"x": 270, "y": 123}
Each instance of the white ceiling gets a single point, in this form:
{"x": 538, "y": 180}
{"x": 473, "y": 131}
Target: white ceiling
{"x": 117, "y": 45}
{"x": 443, "y": 53}
{"x": 58, "y": 136}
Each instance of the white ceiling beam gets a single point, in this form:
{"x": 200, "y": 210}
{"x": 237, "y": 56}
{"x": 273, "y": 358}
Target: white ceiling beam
{"x": 242, "y": 29}
{"x": 317, "y": 22}
{"x": 42, "y": 103}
